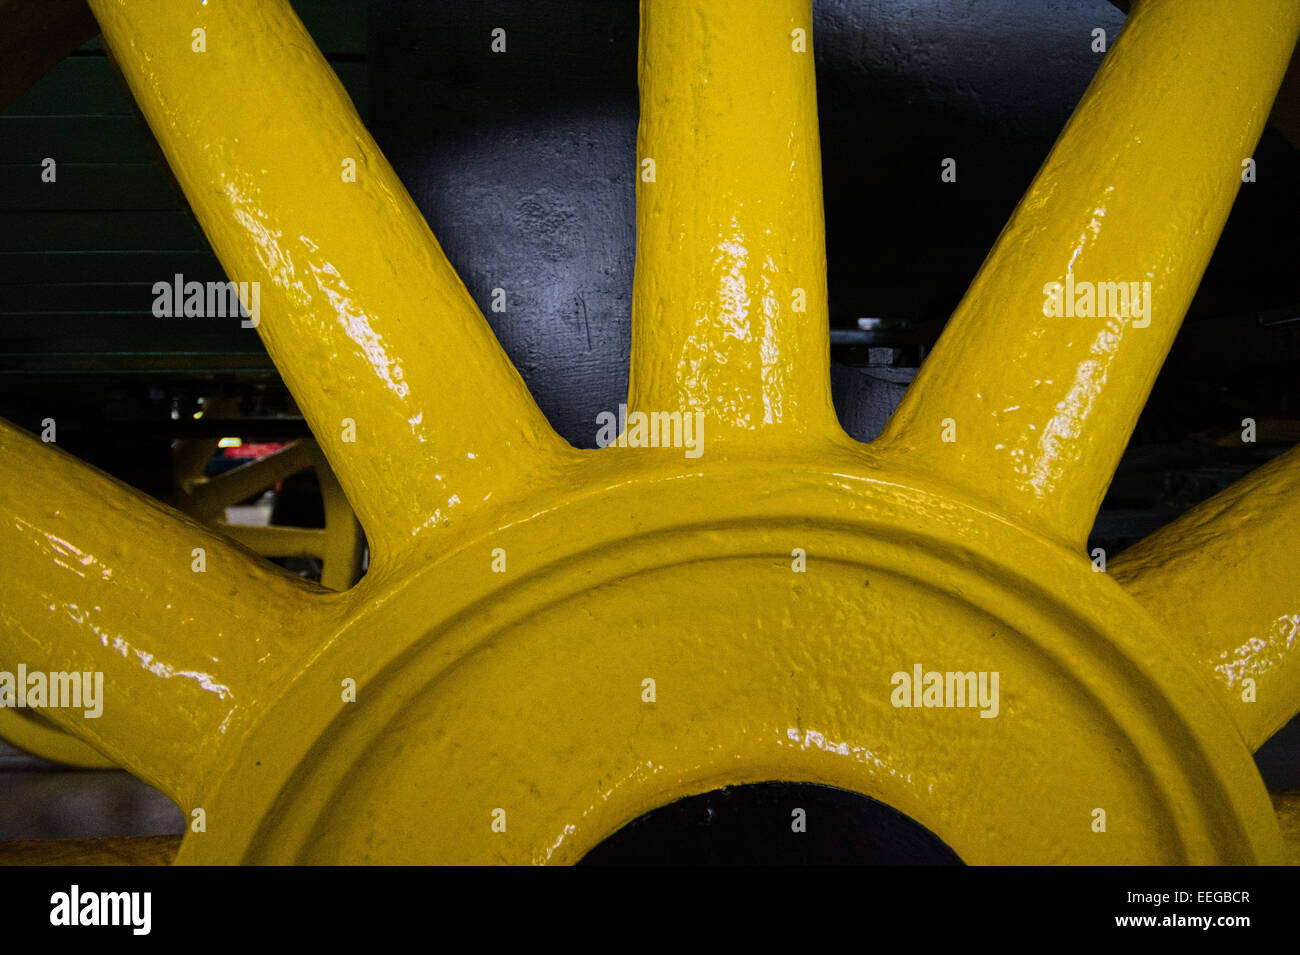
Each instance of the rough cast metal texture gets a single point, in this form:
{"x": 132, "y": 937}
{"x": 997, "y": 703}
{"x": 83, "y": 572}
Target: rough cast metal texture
{"x": 522, "y": 593}
{"x": 337, "y": 545}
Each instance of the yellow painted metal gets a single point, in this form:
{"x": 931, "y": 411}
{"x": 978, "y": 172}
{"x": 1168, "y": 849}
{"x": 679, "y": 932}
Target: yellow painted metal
{"x": 729, "y": 313}
{"x": 373, "y": 331}
{"x": 1222, "y": 580}
{"x": 511, "y": 698}
{"x": 103, "y": 579}
{"x": 1136, "y": 190}
{"x": 338, "y": 545}
{"x": 207, "y": 498}
{"x": 342, "y": 545}
{"x": 30, "y": 731}
{"x": 582, "y": 637}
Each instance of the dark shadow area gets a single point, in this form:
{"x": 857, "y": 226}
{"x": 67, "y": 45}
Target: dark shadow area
{"x": 773, "y": 823}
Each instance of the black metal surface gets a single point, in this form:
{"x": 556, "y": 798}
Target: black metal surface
{"x": 523, "y": 164}
{"x": 756, "y": 825}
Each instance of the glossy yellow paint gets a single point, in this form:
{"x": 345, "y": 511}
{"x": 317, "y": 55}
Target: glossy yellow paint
{"x": 108, "y": 580}
{"x": 206, "y": 499}
{"x": 1136, "y": 190}
{"x": 370, "y": 326}
{"x": 338, "y": 545}
{"x": 770, "y": 588}
{"x": 729, "y": 313}
{"x": 30, "y": 731}
{"x": 1235, "y": 554}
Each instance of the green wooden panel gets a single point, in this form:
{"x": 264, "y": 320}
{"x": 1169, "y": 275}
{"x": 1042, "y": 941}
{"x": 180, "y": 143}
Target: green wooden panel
{"x": 137, "y": 332}
{"x": 30, "y": 139}
{"x": 25, "y": 231}
{"x": 107, "y": 266}
{"x": 86, "y": 296}
{"x": 78, "y": 257}
{"x": 87, "y": 187}
{"x": 79, "y": 86}
{"x": 28, "y": 370}
{"x": 101, "y": 265}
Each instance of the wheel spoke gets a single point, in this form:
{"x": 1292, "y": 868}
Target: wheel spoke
{"x": 344, "y": 544}
{"x": 274, "y": 540}
{"x": 109, "y": 583}
{"x": 412, "y": 399}
{"x": 208, "y": 500}
{"x": 1136, "y": 190}
{"x": 729, "y": 310}
{"x": 1225, "y": 579}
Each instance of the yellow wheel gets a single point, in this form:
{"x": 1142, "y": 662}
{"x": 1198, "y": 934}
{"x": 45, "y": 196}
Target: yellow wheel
{"x": 551, "y": 643}
{"x": 338, "y": 546}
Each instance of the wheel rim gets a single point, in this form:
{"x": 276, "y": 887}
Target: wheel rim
{"x": 322, "y": 795}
